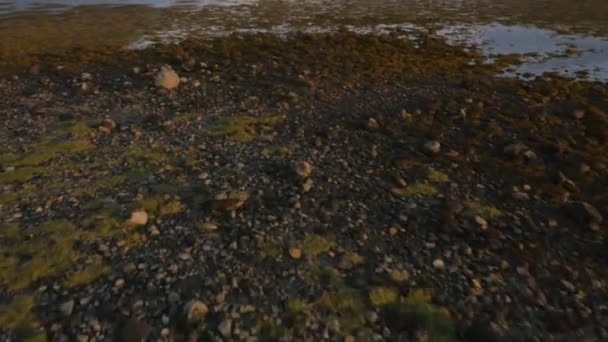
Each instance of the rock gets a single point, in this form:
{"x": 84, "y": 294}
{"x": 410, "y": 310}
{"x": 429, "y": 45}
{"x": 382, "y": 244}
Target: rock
{"x": 578, "y": 114}
{"x": 229, "y": 200}
{"x": 432, "y": 147}
{"x": 134, "y": 330}
{"x": 209, "y": 226}
{"x": 483, "y": 224}
{"x": 107, "y": 125}
{"x": 87, "y": 87}
{"x": 481, "y": 331}
{"x": 225, "y": 327}
{"x": 438, "y": 264}
{"x": 119, "y": 283}
{"x": 303, "y": 169}
{"x": 295, "y": 253}
{"x": 372, "y": 124}
{"x": 167, "y": 78}
{"x": 583, "y": 213}
{"x": 392, "y": 231}
{"x": 194, "y": 312}
{"x": 307, "y": 186}
{"x": 67, "y": 308}
{"x": 139, "y": 218}
{"x": 515, "y": 149}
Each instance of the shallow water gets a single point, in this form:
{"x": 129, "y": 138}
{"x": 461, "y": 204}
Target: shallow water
{"x": 557, "y": 35}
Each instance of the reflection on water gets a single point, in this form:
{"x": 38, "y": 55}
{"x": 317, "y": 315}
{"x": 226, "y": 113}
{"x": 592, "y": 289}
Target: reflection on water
{"x": 498, "y": 26}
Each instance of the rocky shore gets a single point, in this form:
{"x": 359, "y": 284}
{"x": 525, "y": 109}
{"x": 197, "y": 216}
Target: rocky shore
{"x": 335, "y": 187}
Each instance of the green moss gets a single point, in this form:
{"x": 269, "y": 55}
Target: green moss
{"x": 487, "y": 212}
{"x": 146, "y": 155}
{"x": 47, "y": 150}
{"x": 297, "y": 306}
{"x": 9, "y": 231}
{"x": 343, "y": 300}
{"x": 242, "y": 128}
{"x": 77, "y": 129}
{"x": 7, "y": 198}
{"x": 20, "y": 175}
{"x": 170, "y": 208}
{"x": 381, "y": 296}
{"x": 161, "y": 205}
{"x": 316, "y": 244}
{"x": 87, "y": 275}
{"x": 325, "y": 275}
{"x": 435, "y": 176}
{"x": 353, "y": 258}
{"x": 415, "y": 312}
{"x": 416, "y": 189}
{"x": 269, "y": 249}
{"x": 37, "y": 253}
{"x": 17, "y": 313}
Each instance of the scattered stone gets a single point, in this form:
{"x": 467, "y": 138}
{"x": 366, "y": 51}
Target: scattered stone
{"x": 303, "y": 169}
{"x": 483, "y": 224}
{"x": 67, "y": 308}
{"x": 107, "y": 125}
{"x": 167, "y": 78}
{"x": 307, "y": 186}
{"x": 87, "y": 87}
{"x": 372, "y": 124}
{"x": 119, "y": 283}
{"x": 139, "y": 218}
{"x": 438, "y": 264}
{"x": 515, "y": 149}
{"x": 209, "y": 226}
{"x": 583, "y": 213}
{"x": 392, "y": 231}
{"x": 225, "y": 327}
{"x": 432, "y": 147}
{"x": 295, "y": 253}
{"x": 194, "y": 312}
{"x": 578, "y": 114}
{"x": 229, "y": 200}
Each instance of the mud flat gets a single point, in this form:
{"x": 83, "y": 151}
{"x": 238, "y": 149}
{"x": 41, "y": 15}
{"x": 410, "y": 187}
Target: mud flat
{"x": 315, "y": 187}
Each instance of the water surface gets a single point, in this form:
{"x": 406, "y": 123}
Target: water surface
{"x": 557, "y": 35}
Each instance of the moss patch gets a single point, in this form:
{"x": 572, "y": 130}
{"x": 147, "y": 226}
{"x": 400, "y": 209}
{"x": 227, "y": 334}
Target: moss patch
{"x": 381, "y": 296}
{"x": 17, "y": 313}
{"x": 87, "y": 275}
{"x": 39, "y": 252}
{"x": 315, "y": 244}
{"x": 485, "y": 211}
{"x": 435, "y": 176}
{"x": 242, "y": 128}
{"x": 416, "y": 189}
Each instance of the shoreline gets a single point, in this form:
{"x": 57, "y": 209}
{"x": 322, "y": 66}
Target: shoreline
{"x": 323, "y": 186}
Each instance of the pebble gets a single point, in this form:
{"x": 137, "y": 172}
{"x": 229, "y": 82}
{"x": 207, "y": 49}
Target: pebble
{"x": 438, "y": 264}
{"x": 392, "y": 231}
{"x": 432, "y": 147}
{"x": 372, "y": 124}
{"x": 303, "y": 169}
{"x": 209, "y": 226}
{"x": 225, "y": 327}
{"x": 119, "y": 283}
{"x": 167, "y": 78}
{"x": 583, "y": 212}
{"x": 515, "y": 149}
{"x": 483, "y": 224}
{"x": 578, "y": 114}
{"x": 67, "y": 308}
{"x": 107, "y": 125}
{"x": 139, "y": 217}
{"x": 295, "y": 253}
{"x": 195, "y": 311}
